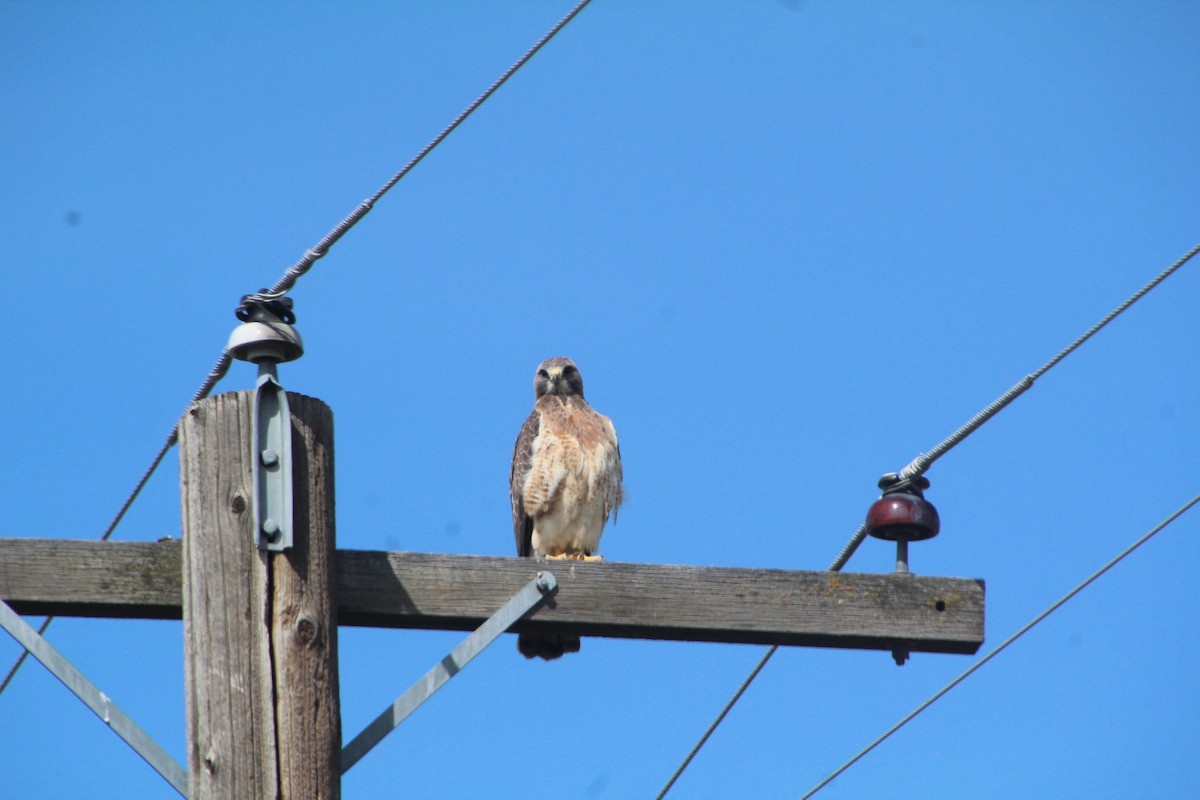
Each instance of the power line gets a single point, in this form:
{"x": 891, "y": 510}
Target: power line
{"x": 218, "y": 371}
{"x": 925, "y": 460}
{"x": 292, "y": 273}
{"x": 941, "y": 692}
{"x": 920, "y": 464}
{"x": 732, "y": 701}
{"x": 836, "y": 566}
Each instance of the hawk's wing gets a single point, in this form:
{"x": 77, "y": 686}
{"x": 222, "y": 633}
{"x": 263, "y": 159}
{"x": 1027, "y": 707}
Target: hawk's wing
{"x": 521, "y": 463}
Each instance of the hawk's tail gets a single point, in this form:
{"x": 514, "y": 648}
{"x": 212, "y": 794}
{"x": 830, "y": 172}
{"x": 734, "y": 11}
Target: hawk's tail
{"x": 546, "y": 647}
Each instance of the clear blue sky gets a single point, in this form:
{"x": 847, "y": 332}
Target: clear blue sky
{"x": 790, "y": 246}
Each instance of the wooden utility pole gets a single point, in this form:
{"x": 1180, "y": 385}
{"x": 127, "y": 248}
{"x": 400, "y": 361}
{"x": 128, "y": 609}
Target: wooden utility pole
{"x": 260, "y": 628}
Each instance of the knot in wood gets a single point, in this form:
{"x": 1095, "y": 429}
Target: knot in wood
{"x": 210, "y": 763}
{"x": 306, "y": 629}
{"x": 238, "y": 504}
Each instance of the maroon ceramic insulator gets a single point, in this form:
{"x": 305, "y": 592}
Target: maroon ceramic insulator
{"x": 903, "y": 516}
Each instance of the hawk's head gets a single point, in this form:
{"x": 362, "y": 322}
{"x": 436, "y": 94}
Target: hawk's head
{"x": 558, "y": 376}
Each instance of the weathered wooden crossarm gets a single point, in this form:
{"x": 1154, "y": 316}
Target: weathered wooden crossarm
{"x": 80, "y": 578}
{"x": 453, "y": 592}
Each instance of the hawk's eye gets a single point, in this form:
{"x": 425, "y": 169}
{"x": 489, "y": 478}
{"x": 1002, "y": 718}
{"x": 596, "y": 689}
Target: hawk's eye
{"x": 543, "y": 374}
{"x": 569, "y": 370}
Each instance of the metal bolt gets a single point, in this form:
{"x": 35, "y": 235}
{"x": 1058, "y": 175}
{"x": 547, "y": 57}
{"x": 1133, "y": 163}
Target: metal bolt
{"x": 270, "y": 458}
{"x": 271, "y": 528}
{"x": 547, "y": 582}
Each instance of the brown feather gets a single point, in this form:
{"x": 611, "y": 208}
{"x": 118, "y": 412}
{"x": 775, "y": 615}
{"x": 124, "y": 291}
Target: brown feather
{"x": 521, "y": 462}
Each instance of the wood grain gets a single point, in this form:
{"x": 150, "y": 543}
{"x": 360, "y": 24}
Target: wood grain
{"x": 260, "y": 629}
{"x": 643, "y": 601}
{"x": 227, "y": 654}
{"x": 304, "y": 618}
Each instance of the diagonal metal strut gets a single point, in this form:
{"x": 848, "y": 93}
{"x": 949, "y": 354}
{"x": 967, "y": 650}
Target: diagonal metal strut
{"x": 94, "y": 699}
{"x": 522, "y": 602}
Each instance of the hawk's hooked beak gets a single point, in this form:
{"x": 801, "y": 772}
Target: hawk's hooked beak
{"x": 555, "y": 375}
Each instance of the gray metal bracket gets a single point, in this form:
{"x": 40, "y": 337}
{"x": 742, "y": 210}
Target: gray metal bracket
{"x": 272, "y": 462}
{"x": 536, "y": 591}
{"x": 94, "y": 699}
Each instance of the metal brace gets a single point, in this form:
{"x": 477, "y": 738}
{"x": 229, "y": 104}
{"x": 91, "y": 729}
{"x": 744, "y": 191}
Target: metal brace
{"x": 272, "y": 460}
{"x": 536, "y": 591}
{"x": 267, "y": 338}
{"x": 94, "y": 699}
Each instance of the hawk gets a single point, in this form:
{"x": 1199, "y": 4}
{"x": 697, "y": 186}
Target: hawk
{"x": 565, "y": 481}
